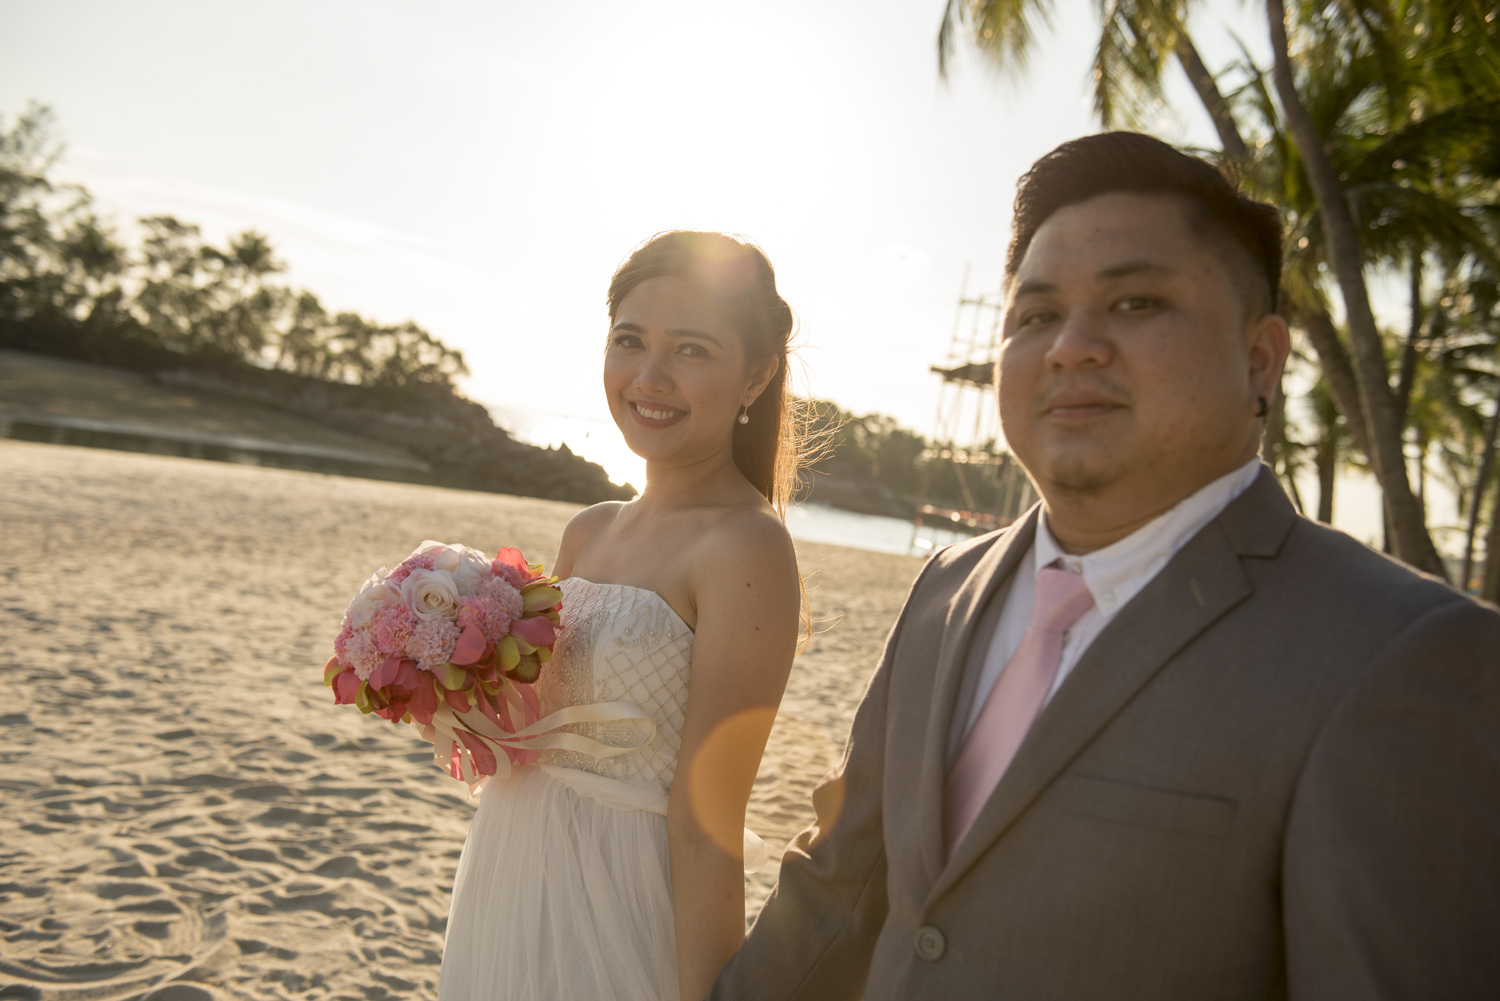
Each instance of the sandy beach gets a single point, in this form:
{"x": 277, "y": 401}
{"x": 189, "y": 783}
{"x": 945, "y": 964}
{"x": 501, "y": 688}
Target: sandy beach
{"x": 184, "y": 815}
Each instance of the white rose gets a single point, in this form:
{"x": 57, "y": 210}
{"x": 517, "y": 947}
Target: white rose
{"x": 468, "y": 567}
{"x": 431, "y": 594}
{"x": 374, "y": 594}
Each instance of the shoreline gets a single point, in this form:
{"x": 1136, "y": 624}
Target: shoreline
{"x": 62, "y": 401}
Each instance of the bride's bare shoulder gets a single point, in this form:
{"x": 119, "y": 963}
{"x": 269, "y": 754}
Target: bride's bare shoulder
{"x": 583, "y": 529}
{"x": 746, "y": 537}
{"x": 594, "y": 518}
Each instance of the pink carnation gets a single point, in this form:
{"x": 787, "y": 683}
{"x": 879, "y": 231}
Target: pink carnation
{"x": 431, "y": 642}
{"x": 341, "y": 641}
{"x": 487, "y": 613}
{"x": 361, "y": 653}
{"x": 391, "y": 625}
{"x": 420, "y": 561}
{"x": 509, "y": 574}
{"x": 506, "y": 594}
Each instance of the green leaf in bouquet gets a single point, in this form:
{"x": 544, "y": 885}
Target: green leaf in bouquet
{"x": 539, "y": 596}
{"x": 508, "y": 652}
{"x": 451, "y": 677}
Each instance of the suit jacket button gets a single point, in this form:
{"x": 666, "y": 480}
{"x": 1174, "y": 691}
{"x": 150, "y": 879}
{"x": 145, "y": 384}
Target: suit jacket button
{"x": 930, "y": 943}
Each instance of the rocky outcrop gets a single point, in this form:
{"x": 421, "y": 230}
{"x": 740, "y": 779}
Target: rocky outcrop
{"x": 455, "y": 437}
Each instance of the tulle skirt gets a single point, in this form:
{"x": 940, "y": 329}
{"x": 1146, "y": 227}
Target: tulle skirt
{"x": 559, "y": 897}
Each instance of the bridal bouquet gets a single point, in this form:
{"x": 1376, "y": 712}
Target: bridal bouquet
{"x": 451, "y": 640}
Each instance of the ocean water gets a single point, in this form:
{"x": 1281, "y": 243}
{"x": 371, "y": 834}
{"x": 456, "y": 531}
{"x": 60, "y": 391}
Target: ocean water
{"x": 820, "y": 523}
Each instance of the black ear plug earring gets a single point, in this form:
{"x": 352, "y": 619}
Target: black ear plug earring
{"x": 1265, "y": 408}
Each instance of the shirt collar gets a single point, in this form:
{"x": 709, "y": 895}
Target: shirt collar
{"x": 1119, "y": 571}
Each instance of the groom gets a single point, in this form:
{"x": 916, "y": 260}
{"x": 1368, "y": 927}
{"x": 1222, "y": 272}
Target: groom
{"x": 1162, "y": 738}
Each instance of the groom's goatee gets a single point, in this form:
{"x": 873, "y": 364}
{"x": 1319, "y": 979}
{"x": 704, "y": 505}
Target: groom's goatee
{"x": 1079, "y": 478}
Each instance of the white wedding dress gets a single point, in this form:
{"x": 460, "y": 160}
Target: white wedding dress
{"x": 564, "y": 888}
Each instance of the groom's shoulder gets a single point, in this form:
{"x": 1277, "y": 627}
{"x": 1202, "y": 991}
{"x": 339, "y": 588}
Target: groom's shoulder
{"x": 1308, "y": 569}
{"x": 955, "y": 562}
{"x": 1370, "y": 584}
{"x": 971, "y": 551}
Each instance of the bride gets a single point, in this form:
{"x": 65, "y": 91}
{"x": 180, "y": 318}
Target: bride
{"x": 619, "y": 875}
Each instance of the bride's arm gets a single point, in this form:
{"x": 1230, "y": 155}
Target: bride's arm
{"x": 747, "y": 598}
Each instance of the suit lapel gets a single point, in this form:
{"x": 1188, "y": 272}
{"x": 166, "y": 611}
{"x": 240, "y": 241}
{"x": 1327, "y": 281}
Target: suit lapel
{"x": 1201, "y": 583}
{"x": 992, "y": 570}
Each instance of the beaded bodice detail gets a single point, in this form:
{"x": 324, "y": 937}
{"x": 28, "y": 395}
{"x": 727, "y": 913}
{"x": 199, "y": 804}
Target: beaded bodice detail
{"x": 620, "y": 643}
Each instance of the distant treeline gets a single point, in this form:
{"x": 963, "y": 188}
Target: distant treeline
{"x": 62, "y": 268}
{"x": 216, "y": 316}
{"x": 872, "y": 463}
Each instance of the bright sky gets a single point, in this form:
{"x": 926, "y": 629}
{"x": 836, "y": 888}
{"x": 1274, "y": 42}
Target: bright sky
{"x": 482, "y": 168}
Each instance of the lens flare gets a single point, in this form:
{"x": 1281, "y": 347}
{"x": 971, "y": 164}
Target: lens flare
{"x": 721, "y": 770}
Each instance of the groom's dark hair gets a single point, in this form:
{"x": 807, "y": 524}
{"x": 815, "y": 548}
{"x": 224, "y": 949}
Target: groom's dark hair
{"x": 1248, "y": 231}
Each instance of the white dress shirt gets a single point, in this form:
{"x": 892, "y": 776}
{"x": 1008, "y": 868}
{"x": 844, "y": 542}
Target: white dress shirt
{"x": 1114, "y": 575}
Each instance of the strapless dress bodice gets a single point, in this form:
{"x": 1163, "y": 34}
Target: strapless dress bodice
{"x": 620, "y": 643}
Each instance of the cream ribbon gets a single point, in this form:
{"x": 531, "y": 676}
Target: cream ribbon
{"x": 446, "y": 724}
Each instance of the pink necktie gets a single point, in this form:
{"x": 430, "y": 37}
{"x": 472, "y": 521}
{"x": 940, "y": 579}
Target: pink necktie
{"x": 1014, "y": 701}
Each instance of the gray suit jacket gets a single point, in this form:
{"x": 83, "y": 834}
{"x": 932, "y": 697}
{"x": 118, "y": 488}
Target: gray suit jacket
{"x": 1275, "y": 774}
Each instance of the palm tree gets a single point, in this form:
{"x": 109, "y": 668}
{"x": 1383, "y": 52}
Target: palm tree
{"x": 1472, "y": 358}
{"x": 1476, "y": 502}
{"x": 1137, "y": 39}
{"x": 1328, "y": 447}
{"x": 1372, "y": 63}
{"x": 1347, "y": 259}
{"x": 1419, "y": 70}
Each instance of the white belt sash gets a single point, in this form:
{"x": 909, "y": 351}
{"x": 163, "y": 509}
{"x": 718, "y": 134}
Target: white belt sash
{"x": 647, "y": 797}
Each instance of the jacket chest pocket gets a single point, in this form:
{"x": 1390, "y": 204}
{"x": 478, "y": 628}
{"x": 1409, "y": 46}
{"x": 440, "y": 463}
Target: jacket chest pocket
{"x": 1117, "y": 802}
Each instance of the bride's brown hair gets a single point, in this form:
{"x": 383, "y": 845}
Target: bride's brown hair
{"x": 737, "y": 275}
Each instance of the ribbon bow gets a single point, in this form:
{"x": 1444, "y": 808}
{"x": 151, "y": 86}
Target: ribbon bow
{"x": 471, "y": 747}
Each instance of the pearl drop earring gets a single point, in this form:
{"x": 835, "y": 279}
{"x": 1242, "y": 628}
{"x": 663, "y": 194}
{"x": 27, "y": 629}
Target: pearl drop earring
{"x": 745, "y": 416}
